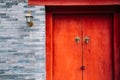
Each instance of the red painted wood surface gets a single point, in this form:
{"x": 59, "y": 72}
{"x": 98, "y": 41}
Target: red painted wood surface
{"x": 100, "y": 9}
{"x": 67, "y": 56}
{"x": 98, "y": 53}
{"x": 74, "y": 2}
{"x": 117, "y": 45}
{"x": 49, "y": 47}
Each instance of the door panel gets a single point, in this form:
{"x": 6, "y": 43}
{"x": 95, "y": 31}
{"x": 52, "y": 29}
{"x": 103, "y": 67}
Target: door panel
{"x": 67, "y": 53}
{"x": 98, "y": 52}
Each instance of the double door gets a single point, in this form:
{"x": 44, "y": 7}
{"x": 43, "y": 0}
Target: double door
{"x": 82, "y": 46}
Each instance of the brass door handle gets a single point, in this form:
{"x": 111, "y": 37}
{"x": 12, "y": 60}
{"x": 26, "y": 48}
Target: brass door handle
{"x": 77, "y": 39}
{"x": 86, "y": 39}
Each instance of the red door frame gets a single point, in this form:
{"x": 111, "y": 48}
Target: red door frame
{"x": 73, "y": 2}
{"x": 50, "y": 10}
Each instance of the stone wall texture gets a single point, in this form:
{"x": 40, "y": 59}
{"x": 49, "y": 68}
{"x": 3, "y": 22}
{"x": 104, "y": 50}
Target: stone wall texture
{"x": 22, "y": 49}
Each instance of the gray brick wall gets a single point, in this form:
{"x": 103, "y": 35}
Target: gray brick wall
{"x": 22, "y": 49}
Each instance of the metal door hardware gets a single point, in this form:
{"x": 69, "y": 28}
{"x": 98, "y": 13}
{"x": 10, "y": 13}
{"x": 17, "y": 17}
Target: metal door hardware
{"x": 82, "y": 67}
{"x": 77, "y": 39}
{"x": 86, "y": 39}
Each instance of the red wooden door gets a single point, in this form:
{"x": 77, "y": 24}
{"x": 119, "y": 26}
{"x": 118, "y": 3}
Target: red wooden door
{"x": 97, "y": 53}
{"x": 67, "y": 53}
{"x": 82, "y": 40}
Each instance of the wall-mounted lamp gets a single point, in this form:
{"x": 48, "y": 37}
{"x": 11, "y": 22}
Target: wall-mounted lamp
{"x": 29, "y": 19}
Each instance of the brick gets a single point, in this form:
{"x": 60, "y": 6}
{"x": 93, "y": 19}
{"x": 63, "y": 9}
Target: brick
{"x": 22, "y": 49}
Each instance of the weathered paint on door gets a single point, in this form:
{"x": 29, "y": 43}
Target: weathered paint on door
{"x": 69, "y": 55}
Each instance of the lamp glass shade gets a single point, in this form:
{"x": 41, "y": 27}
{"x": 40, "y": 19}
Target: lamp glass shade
{"x": 29, "y": 18}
